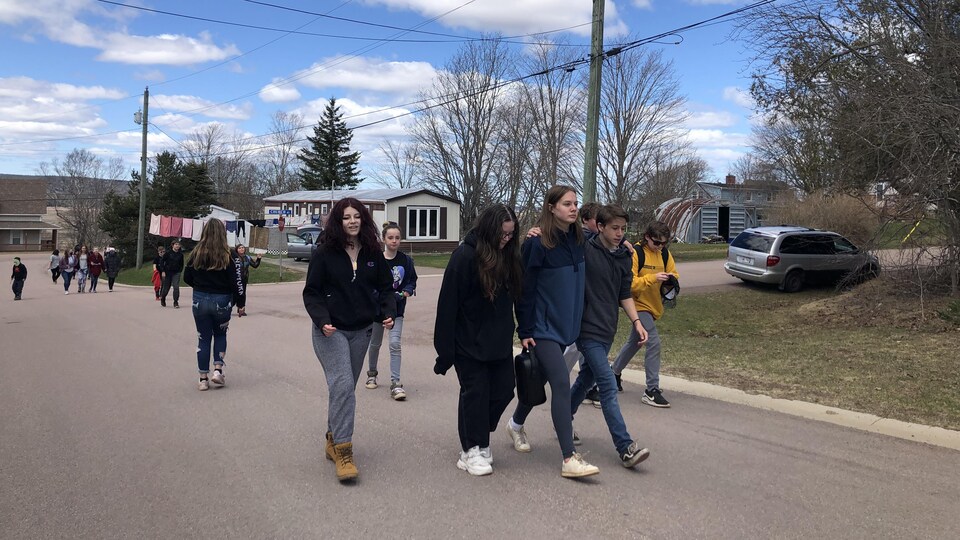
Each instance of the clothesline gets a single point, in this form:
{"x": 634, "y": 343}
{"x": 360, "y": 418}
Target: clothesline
{"x": 251, "y": 233}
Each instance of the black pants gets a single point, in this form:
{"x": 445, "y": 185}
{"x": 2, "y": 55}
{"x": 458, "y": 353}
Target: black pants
{"x": 17, "y": 288}
{"x": 110, "y": 281}
{"x": 550, "y": 354}
{"x": 172, "y": 280}
{"x": 486, "y": 388}
{"x": 56, "y": 273}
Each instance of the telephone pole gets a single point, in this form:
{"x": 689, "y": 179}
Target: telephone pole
{"x": 142, "y": 119}
{"x": 593, "y": 105}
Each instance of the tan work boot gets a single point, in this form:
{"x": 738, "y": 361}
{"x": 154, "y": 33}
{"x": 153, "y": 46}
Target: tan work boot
{"x": 343, "y": 454}
{"x": 330, "y": 453}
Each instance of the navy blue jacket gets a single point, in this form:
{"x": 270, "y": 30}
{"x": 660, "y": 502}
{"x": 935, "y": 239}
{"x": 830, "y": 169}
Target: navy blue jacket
{"x": 553, "y": 282}
{"x": 609, "y": 275}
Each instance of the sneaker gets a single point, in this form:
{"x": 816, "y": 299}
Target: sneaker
{"x": 634, "y": 455}
{"x": 487, "y": 454}
{"x": 576, "y": 438}
{"x": 396, "y": 391}
{"x": 163, "y": 303}
{"x": 66, "y": 292}
{"x": 176, "y": 305}
{"x": 371, "y": 380}
{"x": 519, "y": 438}
{"x": 654, "y": 398}
{"x": 619, "y": 382}
{"x": 217, "y": 377}
{"x": 474, "y": 463}
{"x": 577, "y": 467}
{"x": 593, "y": 396}
{"x": 158, "y": 299}
{"x": 204, "y": 384}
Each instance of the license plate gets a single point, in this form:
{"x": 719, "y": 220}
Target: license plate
{"x": 744, "y": 260}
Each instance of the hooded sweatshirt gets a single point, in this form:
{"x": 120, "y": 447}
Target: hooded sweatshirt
{"x": 553, "y": 281}
{"x": 19, "y": 272}
{"x": 609, "y": 282}
{"x": 645, "y": 287}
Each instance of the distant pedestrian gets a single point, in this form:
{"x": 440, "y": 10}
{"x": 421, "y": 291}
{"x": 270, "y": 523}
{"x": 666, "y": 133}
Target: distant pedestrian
{"x": 55, "y": 264}
{"x": 170, "y": 274}
{"x": 95, "y": 262}
{"x": 215, "y": 278}
{"x": 68, "y": 266}
{"x": 17, "y": 278}
{"x": 111, "y": 264}
{"x": 246, "y": 263}
{"x": 346, "y": 280}
{"x": 83, "y": 269}
{"x": 474, "y": 330}
{"x": 157, "y": 278}
{"x": 404, "y": 286}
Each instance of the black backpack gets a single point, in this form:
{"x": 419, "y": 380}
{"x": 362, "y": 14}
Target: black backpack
{"x": 641, "y": 258}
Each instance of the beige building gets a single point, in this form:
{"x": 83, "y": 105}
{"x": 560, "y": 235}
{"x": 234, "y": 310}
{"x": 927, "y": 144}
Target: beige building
{"x": 23, "y": 204}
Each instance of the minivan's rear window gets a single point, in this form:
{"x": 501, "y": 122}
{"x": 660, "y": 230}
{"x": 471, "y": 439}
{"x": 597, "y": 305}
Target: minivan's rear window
{"x": 753, "y": 242}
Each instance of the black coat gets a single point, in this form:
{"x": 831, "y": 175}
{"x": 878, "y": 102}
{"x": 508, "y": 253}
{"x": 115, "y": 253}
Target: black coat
{"x": 349, "y": 300}
{"x": 111, "y": 263}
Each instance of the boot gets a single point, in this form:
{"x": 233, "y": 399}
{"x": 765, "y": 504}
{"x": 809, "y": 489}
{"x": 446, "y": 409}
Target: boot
{"x": 346, "y": 470}
{"x": 329, "y": 450}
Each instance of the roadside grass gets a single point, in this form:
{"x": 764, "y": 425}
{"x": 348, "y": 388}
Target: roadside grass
{"x": 267, "y": 273}
{"x": 860, "y": 351}
{"x": 929, "y": 232}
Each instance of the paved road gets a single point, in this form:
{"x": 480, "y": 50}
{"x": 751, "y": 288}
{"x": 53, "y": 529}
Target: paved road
{"x": 104, "y": 435}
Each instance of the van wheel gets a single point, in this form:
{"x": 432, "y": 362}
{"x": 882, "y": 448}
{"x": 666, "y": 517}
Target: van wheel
{"x": 793, "y": 282}
{"x": 298, "y": 259}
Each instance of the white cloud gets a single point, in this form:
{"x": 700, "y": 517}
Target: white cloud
{"x": 711, "y": 119}
{"x": 372, "y": 74}
{"x": 277, "y": 92}
{"x": 739, "y": 96}
{"x": 642, "y": 4}
{"x": 194, "y": 105}
{"x": 715, "y": 138}
{"x": 163, "y": 49}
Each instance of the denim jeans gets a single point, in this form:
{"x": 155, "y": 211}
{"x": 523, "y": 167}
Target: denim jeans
{"x": 596, "y": 370}
{"x": 651, "y": 357}
{"x": 67, "y": 276}
{"x": 211, "y": 313}
{"x": 93, "y": 282}
{"x": 376, "y": 339}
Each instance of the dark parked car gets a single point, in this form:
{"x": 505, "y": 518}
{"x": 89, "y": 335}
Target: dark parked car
{"x": 300, "y": 245}
{"x": 791, "y": 257}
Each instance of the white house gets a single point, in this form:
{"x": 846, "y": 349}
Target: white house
{"x": 429, "y": 221}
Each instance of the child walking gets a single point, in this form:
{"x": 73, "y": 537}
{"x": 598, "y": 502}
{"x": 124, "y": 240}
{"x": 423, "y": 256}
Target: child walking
{"x": 404, "y": 286}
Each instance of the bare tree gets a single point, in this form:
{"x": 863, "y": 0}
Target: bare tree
{"x": 458, "y": 135}
{"x": 84, "y": 180}
{"x": 278, "y": 163}
{"x": 228, "y": 158}
{"x": 517, "y": 180}
{"x": 641, "y": 107}
{"x": 799, "y": 153}
{"x": 401, "y": 168}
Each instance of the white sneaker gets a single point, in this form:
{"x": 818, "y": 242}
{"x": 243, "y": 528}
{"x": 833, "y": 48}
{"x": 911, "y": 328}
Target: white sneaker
{"x": 577, "y": 467}
{"x": 217, "y": 377}
{"x": 66, "y": 292}
{"x": 474, "y": 463}
{"x": 519, "y": 438}
{"x": 487, "y": 454}
{"x": 203, "y": 385}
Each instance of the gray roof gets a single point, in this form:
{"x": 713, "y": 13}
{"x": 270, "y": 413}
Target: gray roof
{"x": 364, "y": 195}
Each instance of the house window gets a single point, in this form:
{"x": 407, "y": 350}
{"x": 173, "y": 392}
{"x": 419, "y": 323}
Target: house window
{"x": 310, "y": 209}
{"x": 749, "y": 196}
{"x": 16, "y": 238}
{"x": 323, "y": 209}
{"x": 296, "y": 209}
{"x": 283, "y": 206}
{"x": 423, "y": 223}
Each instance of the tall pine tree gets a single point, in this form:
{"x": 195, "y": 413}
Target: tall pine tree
{"x": 328, "y": 162}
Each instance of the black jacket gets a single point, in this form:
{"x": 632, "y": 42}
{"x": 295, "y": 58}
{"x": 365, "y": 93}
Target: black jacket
{"x": 609, "y": 275}
{"x": 468, "y": 324}
{"x": 226, "y": 281}
{"x": 336, "y": 294}
{"x": 172, "y": 262}
{"x": 19, "y": 272}
{"x": 111, "y": 263}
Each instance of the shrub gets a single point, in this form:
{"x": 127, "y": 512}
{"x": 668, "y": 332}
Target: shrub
{"x": 843, "y": 214}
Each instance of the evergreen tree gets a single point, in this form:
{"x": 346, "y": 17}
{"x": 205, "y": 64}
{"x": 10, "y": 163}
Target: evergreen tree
{"x": 328, "y": 162}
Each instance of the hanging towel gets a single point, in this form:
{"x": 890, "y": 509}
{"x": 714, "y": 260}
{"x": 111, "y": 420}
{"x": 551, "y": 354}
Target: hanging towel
{"x": 155, "y": 224}
{"x": 197, "y": 229}
{"x": 187, "y": 230}
{"x": 176, "y": 227}
{"x": 165, "y": 226}
{"x": 257, "y": 222}
{"x": 231, "y": 226}
{"x": 231, "y": 238}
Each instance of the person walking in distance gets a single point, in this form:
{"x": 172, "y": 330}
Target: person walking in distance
{"x": 548, "y": 316}
{"x": 17, "y": 278}
{"x": 609, "y": 277}
{"x": 55, "y": 264}
{"x": 170, "y": 274}
{"x": 157, "y": 279}
{"x": 246, "y": 263}
{"x": 95, "y": 262}
{"x": 68, "y": 266}
{"x": 404, "y": 286}
{"x": 348, "y": 290}
{"x": 645, "y": 289}
{"x": 83, "y": 269}
{"x": 215, "y": 278}
{"x": 111, "y": 264}
{"x": 474, "y": 330}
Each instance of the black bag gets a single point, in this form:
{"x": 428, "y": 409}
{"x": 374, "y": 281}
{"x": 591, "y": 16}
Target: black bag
{"x": 530, "y": 380}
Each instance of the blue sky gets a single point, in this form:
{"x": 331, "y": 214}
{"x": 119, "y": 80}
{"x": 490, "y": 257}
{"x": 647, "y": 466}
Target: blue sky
{"x": 76, "y": 69}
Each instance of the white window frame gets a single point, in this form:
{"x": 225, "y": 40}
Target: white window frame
{"x": 413, "y": 222}
{"x": 310, "y": 209}
{"x": 323, "y": 209}
{"x": 296, "y": 209}
{"x": 16, "y": 239}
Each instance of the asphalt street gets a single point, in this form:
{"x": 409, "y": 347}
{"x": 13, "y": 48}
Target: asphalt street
{"x": 103, "y": 434}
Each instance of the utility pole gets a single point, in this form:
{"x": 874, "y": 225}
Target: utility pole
{"x": 142, "y": 119}
{"x": 593, "y": 105}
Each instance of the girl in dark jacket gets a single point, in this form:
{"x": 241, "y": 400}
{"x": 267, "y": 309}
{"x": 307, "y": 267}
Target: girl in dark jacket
{"x": 474, "y": 330}
{"x": 111, "y": 265}
{"x": 348, "y": 290}
{"x": 246, "y": 263}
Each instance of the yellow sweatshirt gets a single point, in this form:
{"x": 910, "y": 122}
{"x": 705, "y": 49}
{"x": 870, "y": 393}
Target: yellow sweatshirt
{"x": 645, "y": 287}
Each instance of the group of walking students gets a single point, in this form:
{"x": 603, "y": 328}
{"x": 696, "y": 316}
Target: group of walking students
{"x": 565, "y": 285}
{"x": 86, "y": 266}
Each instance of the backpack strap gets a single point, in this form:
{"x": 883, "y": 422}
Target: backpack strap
{"x": 641, "y": 258}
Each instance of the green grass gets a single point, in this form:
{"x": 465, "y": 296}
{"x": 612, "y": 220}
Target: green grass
{"x": 929, "y": 232}
{"x": 433, "y": 260}
{"x": 267, "y": 273}
{"x": 763, "y": 341}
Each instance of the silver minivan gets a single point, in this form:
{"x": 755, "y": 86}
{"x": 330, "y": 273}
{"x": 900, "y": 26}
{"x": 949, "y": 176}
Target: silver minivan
{"x": 300, "y": 245}
{"x": 791, "y": 257}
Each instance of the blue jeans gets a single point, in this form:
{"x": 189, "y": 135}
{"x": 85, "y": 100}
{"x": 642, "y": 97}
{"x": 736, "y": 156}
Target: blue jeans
{"x": 211, "y": 313}
{"x": 596, "y": 370}
{"x": 67, "y": 276}
{"x": 376, "y": 340}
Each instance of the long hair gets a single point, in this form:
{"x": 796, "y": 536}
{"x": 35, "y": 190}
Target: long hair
{"x": 212, "y": 251}
{"x": 549, "y": 223}
{"x": 335, "y": 236}
{"x": 497, "y": 266}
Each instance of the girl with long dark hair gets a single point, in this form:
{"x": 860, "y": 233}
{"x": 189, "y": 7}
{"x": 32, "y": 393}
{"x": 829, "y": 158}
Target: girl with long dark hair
{"x": 348, "y": 289}
{"x": 474, "y": 330}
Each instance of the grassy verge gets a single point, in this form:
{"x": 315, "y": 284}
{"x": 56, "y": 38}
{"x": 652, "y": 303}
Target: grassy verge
{"x": 267, "y": 273}
{"x": 809, "y": 346}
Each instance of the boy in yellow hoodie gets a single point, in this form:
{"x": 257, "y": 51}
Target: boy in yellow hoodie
{"x": 645, "y": 289}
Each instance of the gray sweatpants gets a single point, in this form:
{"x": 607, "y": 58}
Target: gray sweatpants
{"x": 341, "y": 356}
{"x": 651, "y": 359}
